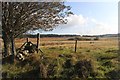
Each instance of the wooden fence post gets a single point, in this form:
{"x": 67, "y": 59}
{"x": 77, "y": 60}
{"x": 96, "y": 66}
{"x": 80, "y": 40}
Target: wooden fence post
{"x": 75, "y": 45}
{"x": 38, "y": 35}
{"x": 27, "y": 40}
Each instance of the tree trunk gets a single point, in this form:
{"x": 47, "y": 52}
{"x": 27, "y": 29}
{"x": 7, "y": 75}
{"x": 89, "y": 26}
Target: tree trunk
{"x": 13, "y": 49}
{"x": 7, "y": 48}
{"x": 7, "y": 44}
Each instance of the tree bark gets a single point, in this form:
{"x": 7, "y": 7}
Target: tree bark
{"x": 7, "y": 44}
{"x": 13, "y": 50}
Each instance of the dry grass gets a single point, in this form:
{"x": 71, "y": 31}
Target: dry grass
{"x": 48, "y": 42}
{"x": 101, "y": 54}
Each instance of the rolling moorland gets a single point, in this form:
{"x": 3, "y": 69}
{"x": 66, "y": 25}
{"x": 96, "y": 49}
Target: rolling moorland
{"x": 96, "y": 57}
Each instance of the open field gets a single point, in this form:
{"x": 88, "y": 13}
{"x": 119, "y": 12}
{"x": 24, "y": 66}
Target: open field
{"x": 54, "y": 44}
{"x": 104, "y": 42}
{"x": 102, "y": 54}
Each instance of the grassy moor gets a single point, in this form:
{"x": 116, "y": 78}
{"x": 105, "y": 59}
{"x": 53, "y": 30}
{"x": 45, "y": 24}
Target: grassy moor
{"x": 93, "y": 59}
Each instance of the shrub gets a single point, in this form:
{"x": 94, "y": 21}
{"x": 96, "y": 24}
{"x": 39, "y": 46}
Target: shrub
{"x": 83, "y": 69}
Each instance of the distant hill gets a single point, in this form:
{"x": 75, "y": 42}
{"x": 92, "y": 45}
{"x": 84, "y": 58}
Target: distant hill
{"x": 67, "y": 35}
{"x": 47, "y": 35}
{"x": 109, "y": 35}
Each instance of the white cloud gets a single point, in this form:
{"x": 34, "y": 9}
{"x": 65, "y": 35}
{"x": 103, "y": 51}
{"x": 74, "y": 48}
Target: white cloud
{"x": 93, "y": 20}
{"x": 75, "y": 20}
{"x": 83, "y": 25}
{"x": 102, "y": 27}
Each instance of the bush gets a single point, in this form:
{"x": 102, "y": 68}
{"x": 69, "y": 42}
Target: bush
{"x": 83, "y": 69}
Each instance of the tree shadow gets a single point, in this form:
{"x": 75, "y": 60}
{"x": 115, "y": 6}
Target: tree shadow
{"x": 113, "y": 75}
{"x": 33, "y": 74}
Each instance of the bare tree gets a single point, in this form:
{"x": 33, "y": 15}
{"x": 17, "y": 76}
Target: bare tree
{"x": 19, "y": 17}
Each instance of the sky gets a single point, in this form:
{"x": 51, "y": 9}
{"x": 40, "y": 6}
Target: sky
{"x": 90, "y": 18}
